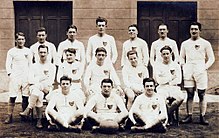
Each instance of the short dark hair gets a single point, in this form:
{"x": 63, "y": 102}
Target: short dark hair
{"x": 148, "y": 80}
{"x": 101, "y": 19}
{"x": 162, "y": 24}
{"x": 65, "y": 78}
{"x": 41, "y": 29}
{"x": 72, "y": 26}
{"x": 43, "y": 46}
{"x": 166, "y": 48}
{"x": 71, "y": 50}
{"x": 106, "y": 81}
{"x": 132, "y": 52}
{"x": 133, "y": 25}
{"x": 197, "y": 23}
{"x": 19, "y": 34}
{"x": 100, "y": 49}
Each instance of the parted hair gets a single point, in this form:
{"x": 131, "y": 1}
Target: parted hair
{"x": 43, "y": 46}
{"x": 148, "y": 80}
{"x": 100, "y": 49}
{"x": 19, "y": 34}
{"x": 197, "y": 23}
{"x": 107, "y": 81}
{"x": 166, "y": 48}
{"x": 132, "y": 52}
{"x": 101, "y": 19}
{"x": 71, "y": 50}
{"x": 65, "y": 78}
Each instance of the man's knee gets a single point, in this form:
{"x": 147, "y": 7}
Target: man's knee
{"x": 130, "y": 94}
{"x": 201, "y": 94}
{"x": 190, "y": 93}
{"x": 12, "y": 99}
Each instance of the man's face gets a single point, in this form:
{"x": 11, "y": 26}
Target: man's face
{"x": 65, "y": 85}
{"x": 162, "y": 31}
{"x": 41, "y": 36}
{"x": 149, "y": 88}
{"x": 133, "y": 59}
{"x": 71, "y": 33}
{"x": 133, "y": 32}
{"x": 101, "y": 26}
{"x": 20, "y": 41}
{"x": 100, "y": 56}
{"x": 106, "y": 89}
{"x": 194, "y": 31}
{"x": 43, "y": 54}
{"x": 166, "y": 55}
{"x": 70, "y": 57}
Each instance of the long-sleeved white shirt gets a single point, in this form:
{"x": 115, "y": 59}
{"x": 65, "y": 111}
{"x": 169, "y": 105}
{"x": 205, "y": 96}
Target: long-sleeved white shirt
{"x": 156, "y": 46}
{"x": 64, "y": 103}
{"x": 42, "y": 73}
{"x": 74, "y": 70}
{"x": 133, "y": 76}
{"x": 94, "y": 74}
{"x": 196, "y": 52}
{"x": 77, "y": 45}
{"x": 106, "y": 41}
{"x": 18, "y": 62}
{"x": 150, "y": 106}
{"x": 52, "y": 54}
{"x": 167, "y": 73}
{"x": 140, "y": 46}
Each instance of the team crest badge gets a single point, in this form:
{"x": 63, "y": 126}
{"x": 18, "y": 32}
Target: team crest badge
{"x": 197, "y": 47}
{"x": 154, "y": 106}
{"x": 106, "y": 72}
{"x": 110, "y": 106}
{"x": 71, "y": 103}
{"x": 104, "y": 43}
{"x": 140, "y": 74}
{"x": 74, "y": 71}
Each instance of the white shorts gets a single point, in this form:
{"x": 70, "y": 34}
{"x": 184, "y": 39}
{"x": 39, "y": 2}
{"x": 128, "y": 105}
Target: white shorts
{"x": 108, "y": 116}
{"x": 195, "y": 75}
{"x": 16, "y": 86}
{"x": 170, "y": 91}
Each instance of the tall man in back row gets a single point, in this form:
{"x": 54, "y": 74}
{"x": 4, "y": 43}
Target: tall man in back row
{"x": 193, "y": 54}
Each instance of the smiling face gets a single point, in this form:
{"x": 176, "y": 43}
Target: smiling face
{"x": 133, "y": 32}
{"x": 101, "y": 27}
{"x": 41, "y": 36}
{"x": 71, "y": 33}
{"x": 194, "y": 31}
{"x": 166, "y": 55}
{"x": 133, "y": 59}
{"x": 20, "y": 41}
{"x": 162, "y": 31}
{"x": 149, "y": 88}
{"x": 70, "y": 57}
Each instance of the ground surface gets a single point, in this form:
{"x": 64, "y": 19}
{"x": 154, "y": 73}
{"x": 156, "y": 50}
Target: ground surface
{"x": 27, "y": 129}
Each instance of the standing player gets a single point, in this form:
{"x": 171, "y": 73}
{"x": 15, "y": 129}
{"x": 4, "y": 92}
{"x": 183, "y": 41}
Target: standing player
{"x": 41, "y": 78}
{"x": 164, "y": 40}
{"x": 133, "y": 75}
{"x": 41, "y": 37}
{"x": 193, "y": 54}
{"x": 137, "y": 44}
{"x": 101, "y": 39}
{"x": 17, "y": 66}
{"x": 71, "y": 42}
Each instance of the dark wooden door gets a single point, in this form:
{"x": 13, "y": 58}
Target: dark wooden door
{"x": 54, "y": 16}
{"x": 177, "y": 15}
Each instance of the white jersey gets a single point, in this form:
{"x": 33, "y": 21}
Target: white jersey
{"x": 196, "y": 52}
{"x": 42, "y": 73}
{"x": 133, "y": 76}
{"x": 106, "y": 41}
{"x": 167, "y": 74}
{"x": 140, "y": 46}
{"x": 155, "y": 54}
{"x": 18, "y": 62}
{"x": 77, "y": 45}
{"x": 52, "y": 55}
{"x": 94, "y": 74}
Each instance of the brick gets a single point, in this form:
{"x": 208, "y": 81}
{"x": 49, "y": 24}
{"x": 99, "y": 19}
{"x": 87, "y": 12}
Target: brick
{"x": 208, "y": 14}
{"x": 7, "y": 24}
{"x": 6, "y": 33}
{"x": 209, "y": 24}
{"x": 103, "y": 4}
{"x": 6, "y": 4}
{"x": 7, "y": 13}
{"x": 107, "y": 13}
{"x": 210, "y": 34}
{"x": 6, "y": 44}
{"x": 208, "y": 4}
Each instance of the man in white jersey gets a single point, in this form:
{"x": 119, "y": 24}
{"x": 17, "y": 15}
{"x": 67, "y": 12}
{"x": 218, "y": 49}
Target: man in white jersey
{"x": 17, "y": 66}
{"x": 168, "y": 75}
{"x": 97, "y": 71}
{"x": 102, "y": 108}
{"x": 74, "y": 70}
{"x": 148, "y": 110}
{"x": 193, "y": 54}
{"x": 71, "y": 42}
{"x": 135, "y": 43}
{"x": 164, "y": 40}
{"x": 133, "y": 75}
{"x": 41, "y": 78}
{"x": 101, "y": 39}
{"x": 69, "y": 108}
{"x": 41, "y": 37}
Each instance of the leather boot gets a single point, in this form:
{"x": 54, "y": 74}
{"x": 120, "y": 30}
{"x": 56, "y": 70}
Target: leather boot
{"x": 26, "y": 112}
{"x": 11, "y": 105}
{"x": 39, "y": 117}
{"x": 9, "y": 119}
{"x": 203, "y": 121}
{"x": 187, "y": 120}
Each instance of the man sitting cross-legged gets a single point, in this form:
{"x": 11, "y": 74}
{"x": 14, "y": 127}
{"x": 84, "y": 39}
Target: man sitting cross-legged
{"x": 168, "y": 75}
{"x": 69, "y": 107}
{"x": 148, "y": 110}
{"x": 41, "y": 77}
{"x": 102, "y": 109}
